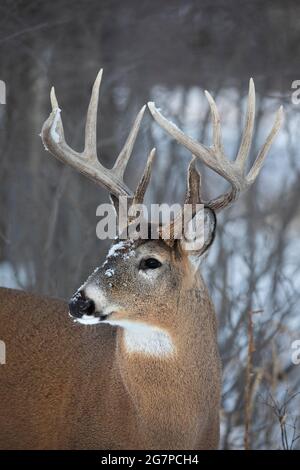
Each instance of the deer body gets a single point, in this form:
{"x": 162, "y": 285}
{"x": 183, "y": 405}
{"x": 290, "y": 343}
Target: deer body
{"x": 68, "y": 386}
{"x": 140, "y": 367}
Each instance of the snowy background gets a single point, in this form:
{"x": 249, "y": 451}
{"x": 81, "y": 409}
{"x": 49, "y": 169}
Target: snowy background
{"x": 167, "y": 52}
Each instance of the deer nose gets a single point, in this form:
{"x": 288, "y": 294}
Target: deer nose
{"x": 79, "y": 305}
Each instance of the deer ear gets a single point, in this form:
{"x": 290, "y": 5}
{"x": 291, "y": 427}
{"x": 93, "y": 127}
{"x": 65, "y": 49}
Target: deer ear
{"x": 200, "y": 233}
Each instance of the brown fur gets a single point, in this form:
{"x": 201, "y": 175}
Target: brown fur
{"x": 67, "y": 385}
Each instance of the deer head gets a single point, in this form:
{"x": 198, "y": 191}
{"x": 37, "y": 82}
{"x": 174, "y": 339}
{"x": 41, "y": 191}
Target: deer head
{"x": 140, "y": 281}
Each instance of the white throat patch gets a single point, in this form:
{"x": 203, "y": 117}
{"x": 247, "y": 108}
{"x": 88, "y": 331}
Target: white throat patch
{"x": 145, "y": 339}
{"x": 87, "y": 320}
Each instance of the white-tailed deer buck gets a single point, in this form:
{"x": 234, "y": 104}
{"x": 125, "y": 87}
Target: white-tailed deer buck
{"x": 147, "y": 374}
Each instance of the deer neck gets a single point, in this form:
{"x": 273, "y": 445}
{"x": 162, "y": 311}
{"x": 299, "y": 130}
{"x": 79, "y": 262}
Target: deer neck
{"x": 164, "y": 368}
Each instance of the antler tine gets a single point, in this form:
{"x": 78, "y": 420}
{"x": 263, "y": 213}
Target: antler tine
{"x": 217, "y": 134}
{"x": 90, "y": 146}
{"x": 214, "y": 157}
{"x": 259, "y": 161}
{"x": 246, "y": 141}
{"x": 193, "y": 190}
{"x": 144, "y": 181}
{"x": 57, "y": 127}
{"x": 124, "y": 156}
{"x": 193, "y": 197}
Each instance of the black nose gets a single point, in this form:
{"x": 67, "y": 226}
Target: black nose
{"x": 80, "y": 306}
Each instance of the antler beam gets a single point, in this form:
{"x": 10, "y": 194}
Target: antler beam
{"x": 87, "y": 161}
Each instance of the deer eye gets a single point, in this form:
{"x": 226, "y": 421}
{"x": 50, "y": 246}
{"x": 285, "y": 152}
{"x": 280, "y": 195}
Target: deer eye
{"x": 150, "y": 263}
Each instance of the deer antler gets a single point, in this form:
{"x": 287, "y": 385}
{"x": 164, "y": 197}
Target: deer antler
{"x": 214, "y": 157}
{"x": 87, "y": 161}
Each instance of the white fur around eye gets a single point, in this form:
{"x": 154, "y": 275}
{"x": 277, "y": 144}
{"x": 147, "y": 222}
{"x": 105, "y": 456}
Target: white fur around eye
{"x": 149, "y": 274}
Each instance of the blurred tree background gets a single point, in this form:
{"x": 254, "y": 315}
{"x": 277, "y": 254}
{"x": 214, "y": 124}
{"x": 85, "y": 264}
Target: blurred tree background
{"x": 167, "y": 52}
